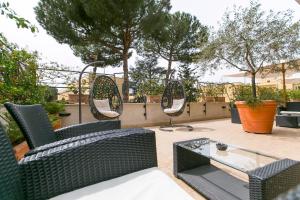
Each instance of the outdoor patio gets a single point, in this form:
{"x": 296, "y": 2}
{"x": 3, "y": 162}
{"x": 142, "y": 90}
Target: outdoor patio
{"x": 283, "y": 142}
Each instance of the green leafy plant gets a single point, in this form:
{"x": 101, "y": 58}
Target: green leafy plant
{"x": 249, "y": 38}
{"x": 294, "y": 94}
{"x": 244, "y": 93}
{"x": 54, "y": 107}
{"x": 11, "y": 128}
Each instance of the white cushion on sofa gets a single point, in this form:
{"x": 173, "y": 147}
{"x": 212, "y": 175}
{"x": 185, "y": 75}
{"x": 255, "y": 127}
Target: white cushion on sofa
{"x": 176, "y": 106}
{"x": 148, "y": 184}
{"x": 290, "y": 113}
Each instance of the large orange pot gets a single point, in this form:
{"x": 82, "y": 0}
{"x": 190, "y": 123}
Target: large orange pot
{"x": 257, "y": 119}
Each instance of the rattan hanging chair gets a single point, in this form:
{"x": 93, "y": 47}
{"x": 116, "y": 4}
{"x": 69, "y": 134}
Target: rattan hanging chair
{"x": 105, "y": 99}
{"x": 173, "y": 103}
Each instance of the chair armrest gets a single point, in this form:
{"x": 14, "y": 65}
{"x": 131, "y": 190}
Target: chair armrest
{"x": 85, "y": 162}
{"x": 280, "y": 108}
{"x": 74, "y": 139}
{"x": 271, "y": 180}
{"x": 81, "y": 129}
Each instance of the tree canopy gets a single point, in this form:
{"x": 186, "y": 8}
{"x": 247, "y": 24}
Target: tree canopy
{"x": 178, "y": 40}
{"x": 250, "y": 38}
{"x": 147, "y": 75}
{"x": 104, "y": 30}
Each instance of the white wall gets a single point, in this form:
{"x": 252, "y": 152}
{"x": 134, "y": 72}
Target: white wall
{"x": 133, "y": 114}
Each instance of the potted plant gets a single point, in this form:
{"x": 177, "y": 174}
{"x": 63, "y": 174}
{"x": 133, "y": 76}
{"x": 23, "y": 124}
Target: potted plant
{"x": 247, "y": 40}
{"x": 152, "y": 90}
{"x": 239, "y": 93}
{"x": 257, "y": 114}
{"x": 294, "y": 95}
{"x": 53, "y": 109}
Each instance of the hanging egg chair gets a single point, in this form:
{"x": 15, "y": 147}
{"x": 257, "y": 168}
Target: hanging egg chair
{"x": 105, "y": 99}
{"x": 173, "y": 103}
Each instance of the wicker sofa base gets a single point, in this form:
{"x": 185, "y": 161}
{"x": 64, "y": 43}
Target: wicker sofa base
{"x": 288, "y": 121}
{"x": 214, "y": 183}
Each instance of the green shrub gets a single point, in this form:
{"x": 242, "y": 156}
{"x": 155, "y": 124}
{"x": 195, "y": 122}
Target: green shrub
{"x": 244, "y": 93}
{"x": 12, "y": 130}
{"x": 54, "y": 107}
{"x": 294, "y": 94}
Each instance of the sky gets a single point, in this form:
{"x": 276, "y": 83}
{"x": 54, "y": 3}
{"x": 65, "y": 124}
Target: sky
{"x": 208, "y": 12}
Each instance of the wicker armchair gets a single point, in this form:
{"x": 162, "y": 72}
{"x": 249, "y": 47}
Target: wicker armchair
{"x": 74, "y": 165}
{"x": 288, "y": 121}
{"x": 36, "y": 127}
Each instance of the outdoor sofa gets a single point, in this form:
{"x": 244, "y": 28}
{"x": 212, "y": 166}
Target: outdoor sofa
{"x": 111, "y": 167}
{"x": 289, "y": 116}
{"x": 36, "y": 127}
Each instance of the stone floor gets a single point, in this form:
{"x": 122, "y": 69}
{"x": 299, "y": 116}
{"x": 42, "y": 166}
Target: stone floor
{"x": 283, "y": 142}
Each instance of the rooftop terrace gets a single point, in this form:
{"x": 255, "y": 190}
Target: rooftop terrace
{"x": 283, "y": 142}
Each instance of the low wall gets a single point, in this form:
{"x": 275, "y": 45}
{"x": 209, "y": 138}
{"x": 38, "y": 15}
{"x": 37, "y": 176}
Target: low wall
{"x": 133, "y": 114}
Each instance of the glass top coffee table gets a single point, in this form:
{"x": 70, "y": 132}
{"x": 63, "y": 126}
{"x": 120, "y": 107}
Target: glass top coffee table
{"x": 192, "y": 164}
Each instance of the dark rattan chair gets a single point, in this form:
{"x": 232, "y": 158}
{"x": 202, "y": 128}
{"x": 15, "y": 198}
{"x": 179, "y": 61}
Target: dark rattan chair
{"x": 75, "y": 165}
{"x": 173, "y": 103}
{"x": 37, "y": 130}
{"x": 105, "y": 99}
{"x": 288, "y": 121}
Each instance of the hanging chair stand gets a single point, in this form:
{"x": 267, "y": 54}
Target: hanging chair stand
{"x": 174, "y": 90}
{"x": 98, "y": 115}
{"x": 171, "y": 127}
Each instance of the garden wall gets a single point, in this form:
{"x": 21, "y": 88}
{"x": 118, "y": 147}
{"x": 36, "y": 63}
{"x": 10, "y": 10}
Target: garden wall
{"x": 133, "y": 114}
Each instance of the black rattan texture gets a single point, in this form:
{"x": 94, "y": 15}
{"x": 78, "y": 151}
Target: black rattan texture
{"x": 85, "y": 162}
{"x": 288, "y": 121}
{"x": 79, "y": 129}
{"x": 74, "y": 165}
{"x": 10, "y": 179}
{"x": 74, "y": 139}
{"x": 265, "y": 183}
{"x": 104, "y": 87}
{"x": 174, "y": 90}
{"x": 271, "y": 180}
{"x": 33, "y": 122}
{"x": 35, "y": 126}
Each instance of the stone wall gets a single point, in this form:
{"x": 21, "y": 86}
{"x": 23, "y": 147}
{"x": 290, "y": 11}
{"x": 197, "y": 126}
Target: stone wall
{"x": 133, "y": 114}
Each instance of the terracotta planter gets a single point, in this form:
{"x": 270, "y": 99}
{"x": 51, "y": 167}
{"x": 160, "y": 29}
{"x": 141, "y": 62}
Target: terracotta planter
{"x": 258, "y": 119}
{"x": 219, "y": 99}
{"x": 153, "y": 98}
{"x": 57, "y": 124}
{"x": 20, "y": 150}
{"x": 209, "y": 99}
{"x": 74, "y": 98}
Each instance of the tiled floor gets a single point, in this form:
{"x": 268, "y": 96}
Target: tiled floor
{"x": 283, "y": 142}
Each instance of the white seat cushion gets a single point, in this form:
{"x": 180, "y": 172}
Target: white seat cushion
{"x": 148, "y": 184}
{"x": 176, "y": 106}
{"x": 290, "y": 113}
{"x": 110, "y": 114}
{"x": 104, "y": 108}
{"x": 102, "y": 104}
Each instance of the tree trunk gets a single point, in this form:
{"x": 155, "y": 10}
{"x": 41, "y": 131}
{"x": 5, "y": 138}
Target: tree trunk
{"x": 283, "y": 70}
{"x": 126, "y": 79}
{"x": 253, "y": 84}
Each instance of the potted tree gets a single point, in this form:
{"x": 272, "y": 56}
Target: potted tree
{"x": 247, "y": 40}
